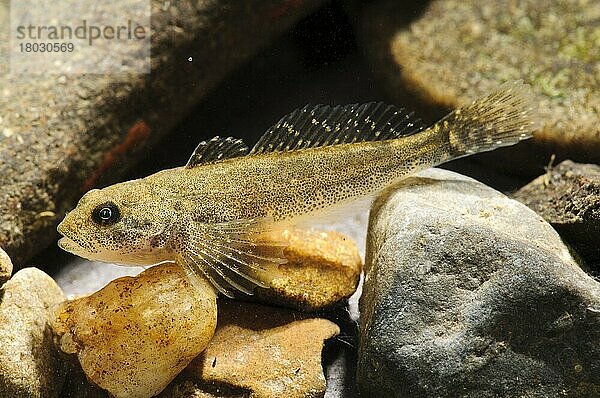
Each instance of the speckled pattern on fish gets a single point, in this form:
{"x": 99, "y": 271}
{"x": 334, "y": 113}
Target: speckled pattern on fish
{"x": 216, "y": 217}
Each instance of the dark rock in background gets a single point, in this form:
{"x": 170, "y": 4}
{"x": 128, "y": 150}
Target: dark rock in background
{"x": 455, "y": 51}
{"x": 62, "y": 135}
{"x": 568, "y": 197}
{"x": 471, "y": 294}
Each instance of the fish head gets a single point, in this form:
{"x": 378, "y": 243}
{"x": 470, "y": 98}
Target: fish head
{"x": 124, "y": 224}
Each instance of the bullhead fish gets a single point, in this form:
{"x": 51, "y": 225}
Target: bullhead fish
{"x": 216, "y": 215}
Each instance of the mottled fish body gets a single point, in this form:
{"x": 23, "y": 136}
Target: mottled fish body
{"x": 214, "y": 216}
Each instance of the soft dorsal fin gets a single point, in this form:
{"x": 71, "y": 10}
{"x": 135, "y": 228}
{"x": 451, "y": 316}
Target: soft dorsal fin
{"x": 324, "y": 125}
{"x": 216, "y": 149}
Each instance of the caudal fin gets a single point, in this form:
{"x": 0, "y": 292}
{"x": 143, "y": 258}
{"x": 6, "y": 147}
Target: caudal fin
{"x": 502, "y": 118}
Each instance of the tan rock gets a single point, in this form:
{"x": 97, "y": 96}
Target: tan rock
{"x": 6, "y": 266}
{"x": 323, "y": 268}
{"x": 30, "y": 366}
{"x": 268, "y": 351}
{"x": 137, "y": 333}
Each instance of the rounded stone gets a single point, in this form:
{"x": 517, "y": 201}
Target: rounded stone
{"x": 469, "y": 293}
{"x": 137, "y": 333}
{"x": 30, "y": 366}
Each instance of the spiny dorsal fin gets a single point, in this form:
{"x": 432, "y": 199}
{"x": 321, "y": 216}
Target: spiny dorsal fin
{"x": 324, "y": 125}
{"x": 216, "y": 149}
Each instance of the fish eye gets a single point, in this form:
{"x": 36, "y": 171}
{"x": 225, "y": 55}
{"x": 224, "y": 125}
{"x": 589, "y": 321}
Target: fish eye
{"x": 106, "y": 214}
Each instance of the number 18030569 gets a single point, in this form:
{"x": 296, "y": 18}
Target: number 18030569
{"x": 46, "y": 47}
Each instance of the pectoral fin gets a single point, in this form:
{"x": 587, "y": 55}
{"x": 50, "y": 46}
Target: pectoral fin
{"x": 234, "y": 256}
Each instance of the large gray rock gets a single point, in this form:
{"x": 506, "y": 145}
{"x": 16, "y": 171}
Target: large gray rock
{"x": 568, "y": 197}
{"x": 62, "y": 135}
{"x": 471, "y": 294}
{"x": 29, "y": 363}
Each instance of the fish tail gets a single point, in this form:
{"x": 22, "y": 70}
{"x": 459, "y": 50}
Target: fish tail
{"x": 502, "y": 118}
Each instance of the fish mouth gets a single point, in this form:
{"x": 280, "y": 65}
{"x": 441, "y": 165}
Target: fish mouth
{"x": 71, "y": 246}
{"x": 61, "y": 228}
